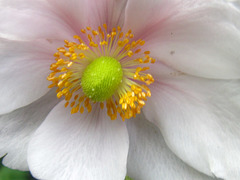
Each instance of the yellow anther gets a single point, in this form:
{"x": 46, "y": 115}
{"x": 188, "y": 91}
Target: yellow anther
{"x": 81, "y": 109}
{"x": 56, "y": 54}
{"x": 89, "y": 38}
{"x": 103, "y": 43}
{"x": 142, "y": 43}
{"x": 72, "y": 104}
{"x": 81, "y": 55}
{"x": 101, "y": 105}
{"x": 66, "y": 90}
{"x": 83, "y": 31}
{"x": 120, "y": 43}
{"x": 93, "y": 44}
{"x": 67, "y": 84}
{"x": 105, "y": 27}
{"x": 51, "y": 85}
{"x": 137, "y": 51}
{"x": 89, "y": 108}
{"x": 71, "y": 50}
{"x": 74, "y": 110}
{"x": 124, "y": 106}
{"x": 101, "y": 32}
{"x": 147, "y": 52}
{"x": 145, "y": 68}
{"x": 140, "y": 60}
{"x": 146, "y": 61}
{"x": 138, "y": 69}
{"x": 127, "y": 47}
{"x": 66, "y": 104}
{"x": 75, "y": 97}
{"x": 60, "y": 84}
{"x": 120, "y": 35}
{"x": 86, "y": 102}
{"x": 59, "y": 94}
{"x": 60, "y": 62}
{"x": 68, "y": 96}
{"x": 125, "y": 41}
{"x": 95, "y": 33}
{"x": 142, "y": 103}
{"x": 119, "y": 28}
{"x": 149, "y": 93}
{"x": 75, "y": 37}
{"x": 153, "y": 60}
{"x": 131, "y": 36}
{"x": 130, "y": 53}
{"x": 69, "y": 64}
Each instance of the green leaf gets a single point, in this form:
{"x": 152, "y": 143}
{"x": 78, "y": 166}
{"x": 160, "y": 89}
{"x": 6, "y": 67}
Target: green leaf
{"x": 128, "y": 178}
{"x": 9, "y": 174}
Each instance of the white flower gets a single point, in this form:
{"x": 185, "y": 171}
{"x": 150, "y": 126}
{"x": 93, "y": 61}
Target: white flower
{"x": 189, "y": 128}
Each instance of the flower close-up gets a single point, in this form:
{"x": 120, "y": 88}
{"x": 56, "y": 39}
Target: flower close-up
{"x": 104, "y": 89}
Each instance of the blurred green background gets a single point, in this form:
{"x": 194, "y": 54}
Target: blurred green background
{"x": 9, "y": 174}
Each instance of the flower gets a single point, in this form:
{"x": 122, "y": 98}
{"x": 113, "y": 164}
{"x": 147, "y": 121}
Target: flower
{"x": 188, "y": 128}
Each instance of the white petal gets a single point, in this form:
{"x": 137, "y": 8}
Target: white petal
{"x": 235, "y": 3}
{"x": 161, "y": 71}
{"x": 73, "y": 146}
{"x": 196, "y": 37}
{"x": 17, "y": 127}
{"x": 23, "y": 72}
{"x": 150, "y": 158}
{"x": 26, "y": 19}
{"x": 199, "y": 120}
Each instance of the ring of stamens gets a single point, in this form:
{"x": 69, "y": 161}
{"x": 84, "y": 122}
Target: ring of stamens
{"x": 74, "y": 58}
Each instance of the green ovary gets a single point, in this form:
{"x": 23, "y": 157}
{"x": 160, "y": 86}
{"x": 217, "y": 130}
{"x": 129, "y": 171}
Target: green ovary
{"x": 102, "y": 78}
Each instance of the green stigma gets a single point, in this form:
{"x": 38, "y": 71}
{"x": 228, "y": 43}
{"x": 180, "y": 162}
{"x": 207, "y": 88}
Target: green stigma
{"x": 101, "y": 78}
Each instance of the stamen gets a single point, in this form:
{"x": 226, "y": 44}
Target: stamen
{"x": 75, "y": 57}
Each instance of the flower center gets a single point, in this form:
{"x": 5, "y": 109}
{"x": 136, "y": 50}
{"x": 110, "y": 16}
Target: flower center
{"x": 103, "y": 68}
{"x": 101, "y": 78}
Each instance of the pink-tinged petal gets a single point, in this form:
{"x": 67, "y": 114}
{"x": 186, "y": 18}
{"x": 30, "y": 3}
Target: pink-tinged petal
{"x": 17, "y": 127}
{"x": 72, "y": 12}
{"x": 23, "y": 72}
{"x": 111, "y": 12}
{"x": 73, "y": 146}
{"x": 199, "y": 120}
{"x": 94, "y": 13}
{"x": 141, "y": 14}
{"x": 26, "y": 19}
{"x": 150, "y": 158}
{"x": 196, "y": 37}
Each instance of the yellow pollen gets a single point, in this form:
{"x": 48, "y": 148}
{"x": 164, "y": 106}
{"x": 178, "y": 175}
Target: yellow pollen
{"x": 74, "y": 57}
